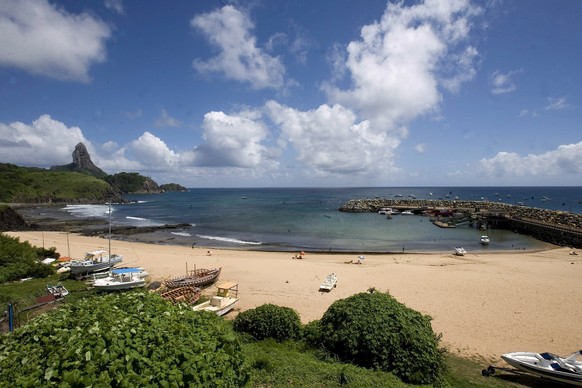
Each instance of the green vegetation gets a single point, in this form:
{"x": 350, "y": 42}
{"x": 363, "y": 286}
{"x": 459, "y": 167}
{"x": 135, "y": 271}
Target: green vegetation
{"x": 269, "y": 321}
{"x": 291, "y": 363}
{"x": 21, "y": 260}
{"x": 123, "y": 339}
{"x": 127, "y": 182}
{"x": 35, "y": 185}
{"x": 172, "y": 187}
{"x": 376, "y": 331}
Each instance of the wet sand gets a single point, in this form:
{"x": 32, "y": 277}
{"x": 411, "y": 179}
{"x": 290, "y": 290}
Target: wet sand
{"x": 484, "y": 304}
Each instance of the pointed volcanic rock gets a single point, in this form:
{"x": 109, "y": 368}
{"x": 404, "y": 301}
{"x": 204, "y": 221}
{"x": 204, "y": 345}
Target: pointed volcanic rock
{"x": 81, "y": 163}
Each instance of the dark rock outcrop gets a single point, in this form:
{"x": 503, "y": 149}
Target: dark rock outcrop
{"x": 81, "y": 163}
{"x": 10, "y": 220}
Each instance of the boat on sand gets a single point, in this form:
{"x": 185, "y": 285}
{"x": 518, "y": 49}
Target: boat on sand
{"x": 185, "y": 294}
{"x": 122, "y": 279}
{"x": 197, "y": 277}
{"x": 460, "y": 251}
{"x": 224, "y": 301}
{"x": 329, "y": 283}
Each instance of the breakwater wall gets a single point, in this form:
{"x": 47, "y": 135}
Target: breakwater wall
{"x": 553, "y": 226}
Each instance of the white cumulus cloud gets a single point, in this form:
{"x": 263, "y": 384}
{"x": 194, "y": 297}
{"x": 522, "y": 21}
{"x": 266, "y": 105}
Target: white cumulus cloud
{"x": 231, "y": 141}
{"x": 42, "y": 38}
{"x": 239, "y": 58}
{"x": 43, "y": 143}
{"x": 394, "y": 67}
{"x": 330, "y": 140}
{"x": 566, "y": 159}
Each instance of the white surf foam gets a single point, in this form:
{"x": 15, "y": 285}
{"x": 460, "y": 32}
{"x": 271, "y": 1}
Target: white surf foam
{"x": 184, "y": 234}
{"x": 230, "y": 240}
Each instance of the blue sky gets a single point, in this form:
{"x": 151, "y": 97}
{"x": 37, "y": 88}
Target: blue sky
{"x": 297, "y": 93}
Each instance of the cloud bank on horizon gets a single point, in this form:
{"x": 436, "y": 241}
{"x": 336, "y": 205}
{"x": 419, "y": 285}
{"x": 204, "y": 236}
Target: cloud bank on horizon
{"x": 379, "y": 115}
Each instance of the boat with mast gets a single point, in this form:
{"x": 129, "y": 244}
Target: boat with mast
{"x": 95, "y": 261}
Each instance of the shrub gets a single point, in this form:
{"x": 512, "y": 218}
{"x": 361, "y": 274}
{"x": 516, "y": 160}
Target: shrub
{"x": 124, "y": 339}
{"x": 374, "y": 330}
{"x": 20, "y": 259}
{"x": 269, "y": 321}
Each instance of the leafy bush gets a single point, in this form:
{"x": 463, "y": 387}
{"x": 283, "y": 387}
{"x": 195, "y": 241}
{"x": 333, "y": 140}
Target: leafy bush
{"x": 269, "y": 321}
{"x": 123, "y": 339}
{"x": 20, "y": 260}
{"x": 374, "y": 330}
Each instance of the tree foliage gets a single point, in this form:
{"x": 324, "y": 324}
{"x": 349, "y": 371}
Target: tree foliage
{"x": 123, "y": 340}
{"x": 374, "y": 330}
{"x": 126, "y": 182}
{"x": 21, "y": 260}
{"x": 269, "y": 321}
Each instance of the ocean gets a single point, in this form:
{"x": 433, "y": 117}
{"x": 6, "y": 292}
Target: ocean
{"x": 292, "y": 219}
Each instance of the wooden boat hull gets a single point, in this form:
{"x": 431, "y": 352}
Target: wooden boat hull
{"x": 185, "y": 294}
{"x": 196, "y": 278}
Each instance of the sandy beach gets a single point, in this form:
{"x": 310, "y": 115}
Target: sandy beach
{"x": 484, "y": 304}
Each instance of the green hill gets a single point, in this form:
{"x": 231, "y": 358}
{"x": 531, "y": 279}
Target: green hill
{"x": 37, "y": 185}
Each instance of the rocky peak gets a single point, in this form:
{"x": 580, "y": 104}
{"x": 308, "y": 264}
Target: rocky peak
{"x": 81, "y": 157}
{"x": 82, "y": 163}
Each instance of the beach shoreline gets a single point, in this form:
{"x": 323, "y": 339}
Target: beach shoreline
{"x": 484, "y": 304}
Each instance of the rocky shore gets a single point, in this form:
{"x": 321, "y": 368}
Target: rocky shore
{"x": 52, "y": 218}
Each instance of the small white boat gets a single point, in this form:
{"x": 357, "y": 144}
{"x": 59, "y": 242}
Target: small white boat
{"x": 484, "y": 240}
{"x": 224, "y": 301}
{"x": 122, "y": 279}
{"x": 329, "y": 283}
{"x": 546, "y": 365}
{"x": 407, "y": 213}
{"x": 59, "y": 291}
{"x": 460, "y": 251}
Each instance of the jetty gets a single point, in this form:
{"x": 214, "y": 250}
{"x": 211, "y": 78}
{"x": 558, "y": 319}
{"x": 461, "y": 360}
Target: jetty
{"x": 553, "y": 226}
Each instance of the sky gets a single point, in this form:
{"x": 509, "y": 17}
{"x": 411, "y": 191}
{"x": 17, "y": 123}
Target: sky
{"x": 297, "y": 93}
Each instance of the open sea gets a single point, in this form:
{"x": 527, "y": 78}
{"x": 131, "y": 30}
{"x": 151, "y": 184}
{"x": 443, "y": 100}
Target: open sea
{"x": 291, "y": 219}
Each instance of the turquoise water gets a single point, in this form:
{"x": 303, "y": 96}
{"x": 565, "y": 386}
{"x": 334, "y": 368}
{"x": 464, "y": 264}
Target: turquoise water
{"x": 308, "y": 219}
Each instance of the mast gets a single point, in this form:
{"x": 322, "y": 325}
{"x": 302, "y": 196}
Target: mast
{"x": 109, "y": 251}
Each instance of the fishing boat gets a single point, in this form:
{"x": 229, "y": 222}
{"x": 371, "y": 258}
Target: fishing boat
{"x": 329, "y": 283}
{"x": 549, "y": 366}
{"x": 484, "y": 240}
{"x": 185, "y": 294}
{"x": 122, "y": 279}
{"x": 95, "y": 261}
{"x": 224, "y": 301}
{"x": 197, "y": 277}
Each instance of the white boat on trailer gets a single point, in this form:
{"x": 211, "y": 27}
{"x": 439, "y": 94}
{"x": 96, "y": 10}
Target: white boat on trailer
{"x": 546, "y": 365}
